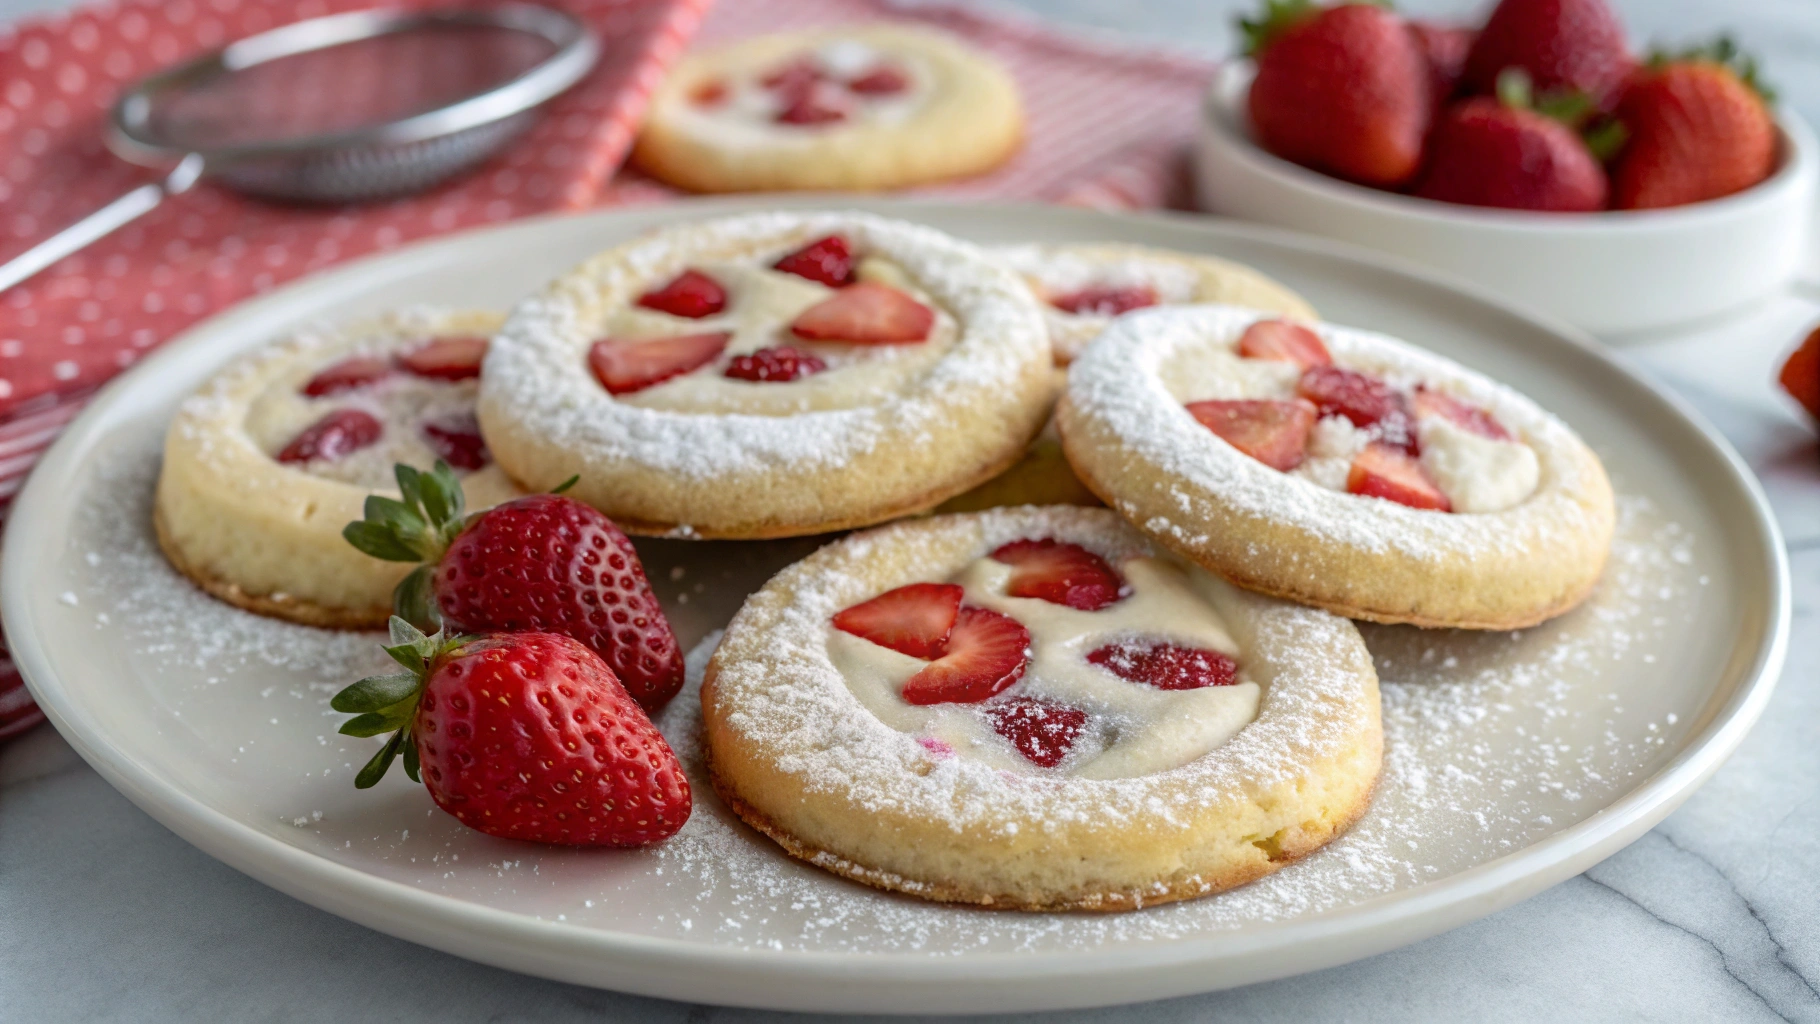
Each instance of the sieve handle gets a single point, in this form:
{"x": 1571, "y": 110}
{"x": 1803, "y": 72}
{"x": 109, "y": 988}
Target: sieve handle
{"x": 105, "y": 221}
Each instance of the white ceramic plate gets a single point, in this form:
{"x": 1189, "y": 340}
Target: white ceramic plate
{"x": 1513, "y": 761}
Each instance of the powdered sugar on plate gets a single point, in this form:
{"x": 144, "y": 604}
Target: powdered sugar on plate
{"x": 1493, "y": 741}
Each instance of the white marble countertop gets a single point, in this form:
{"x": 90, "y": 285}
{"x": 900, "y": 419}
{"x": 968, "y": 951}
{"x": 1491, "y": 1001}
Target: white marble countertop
{"x": 1713, "y": 916}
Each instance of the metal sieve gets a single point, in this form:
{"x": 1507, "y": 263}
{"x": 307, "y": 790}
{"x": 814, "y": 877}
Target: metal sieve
{"x": 341, "y": 109}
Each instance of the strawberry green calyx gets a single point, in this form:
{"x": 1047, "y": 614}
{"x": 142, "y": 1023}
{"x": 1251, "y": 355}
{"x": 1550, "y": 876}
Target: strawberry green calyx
{"x": 1604, "y": 135}
{"x": 1281, "y": 15}
{"x": 1723, "y": 51}
{"x": 388, "y": 703}
{"x": 417, "y": 526}
{"x": 1278, "y": 16}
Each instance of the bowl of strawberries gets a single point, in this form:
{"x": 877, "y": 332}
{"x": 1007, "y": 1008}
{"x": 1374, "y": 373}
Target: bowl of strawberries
{"x": 1536, "y": 155}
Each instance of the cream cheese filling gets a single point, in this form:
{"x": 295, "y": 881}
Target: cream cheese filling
{"x": 1478, "y": 474}
{"x": 747, "y": 115}
{"x": 1132, "y": 729}
{"x": 761, "y": 303}
{"x": 402, "y": 402}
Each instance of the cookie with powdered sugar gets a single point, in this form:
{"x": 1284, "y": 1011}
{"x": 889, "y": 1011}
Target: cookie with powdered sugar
{"x": 1037, "y": 709}
{"x": 862, "y": 107}
{"x": 269, "y": 461}
{"x": 1083, "y": 287}
{"x": 770, "y": 375}
{"x": 1338, "y": 467}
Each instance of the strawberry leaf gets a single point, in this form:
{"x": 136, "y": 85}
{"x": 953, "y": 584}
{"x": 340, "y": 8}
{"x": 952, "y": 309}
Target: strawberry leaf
{"x": 377, "y": 540}
{"x": 419, "y": 524}
{"x": 376, "y": 768}
{"x": 1605, "y": 138}
{"x": 566, "y": 484}
{"x": 410, "y": 758}
{"x": 407, "y": 655}
{"x": 374, "y": 723}
{"x": 1515, "y": 89}
{"x": 1278, "y": 17}
{"x": 403, "y": 633}
{"x": 414, "y": 599}
{"x": 375, "y": 693}
{"x": 443, "y": 503}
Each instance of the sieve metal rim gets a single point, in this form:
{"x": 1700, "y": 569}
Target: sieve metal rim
{"x": 577, "y": 49}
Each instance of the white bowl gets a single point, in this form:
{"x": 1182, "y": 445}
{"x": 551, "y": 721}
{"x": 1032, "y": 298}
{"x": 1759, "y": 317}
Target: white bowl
{"x": 1616, "y": 272}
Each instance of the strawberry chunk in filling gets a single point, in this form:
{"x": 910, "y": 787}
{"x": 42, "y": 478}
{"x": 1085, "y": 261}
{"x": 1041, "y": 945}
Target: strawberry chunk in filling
{"x": 1030, "y": 682}
{"x": 1283, "y": 401}
{"x": 821, "y": 325}
{"x": 353, "y": 419}
{"x": 839, "y": 83}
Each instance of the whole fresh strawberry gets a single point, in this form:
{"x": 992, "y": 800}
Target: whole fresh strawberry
{"x": 1343, "y": 90}
{"x": 1800, "y": 375}
{"x": 539, "y": 563}
{"x": 522, "y": 736}
{"x": 1445, "y": 47}
{"x": 1502, "y": 153}
{"x": 1563, "y": 45}
{"x": 1699, "y": 126}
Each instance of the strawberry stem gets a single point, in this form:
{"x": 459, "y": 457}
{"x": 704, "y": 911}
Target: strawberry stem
{"x": 1278, "y": 17}
{"x": 417, "y": 526}
{"x": 1722, "y": 50}
{"x": 388, "y": 703}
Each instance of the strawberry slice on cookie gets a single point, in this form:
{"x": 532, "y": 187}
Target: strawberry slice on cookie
{"x": 985, "y": 654}
{"x": 914, "y": 620}
{"x": 623, "y": 367}
{"x": 1060, "y": 573}
{"x": 866, "y": 314}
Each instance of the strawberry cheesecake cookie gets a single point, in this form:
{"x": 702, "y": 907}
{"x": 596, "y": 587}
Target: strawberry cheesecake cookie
{"x": 770, "y": 375}
{"x": 1082, "y": 287}
{"x": 266, "y": 464}
{"x": 873, "y": 107}
{"x": 1037, "y": 709}
{"x": 1338, "y": 468}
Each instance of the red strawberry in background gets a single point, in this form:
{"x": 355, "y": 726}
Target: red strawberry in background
{"x": 1563, "y": 45}
{"x": 541, "y": 563}
{"x": 523, "y": 736}
{"x": 1501, "y": 153}
{"x": 1445, "y": 47}
{"x": 1343, "y": 90}
{"x": 1800, "y": 375}
{"x": 1699, "y": 128}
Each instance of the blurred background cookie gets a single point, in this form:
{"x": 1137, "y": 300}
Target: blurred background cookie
{"x": 874, "y": 107}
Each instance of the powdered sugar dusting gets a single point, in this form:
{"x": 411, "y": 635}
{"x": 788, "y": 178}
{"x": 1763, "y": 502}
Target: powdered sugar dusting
{"x": 535, "y": 379}
{"x": 1118, "y": 384}
{"x": 1493, "y": 741}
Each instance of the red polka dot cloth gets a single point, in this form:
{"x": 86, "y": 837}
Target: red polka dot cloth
{"x": 1107, "y": 127}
